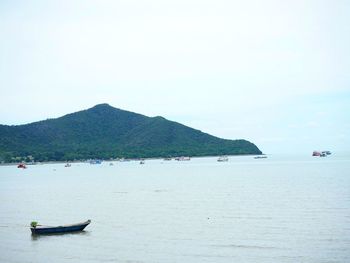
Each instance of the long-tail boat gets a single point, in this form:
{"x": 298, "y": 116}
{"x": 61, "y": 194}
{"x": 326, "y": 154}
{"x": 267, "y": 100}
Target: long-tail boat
{"x": 41, "y": 229}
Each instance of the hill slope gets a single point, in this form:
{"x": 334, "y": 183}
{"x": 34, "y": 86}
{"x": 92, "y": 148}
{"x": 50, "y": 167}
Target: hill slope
{"x": 107, "y": 132}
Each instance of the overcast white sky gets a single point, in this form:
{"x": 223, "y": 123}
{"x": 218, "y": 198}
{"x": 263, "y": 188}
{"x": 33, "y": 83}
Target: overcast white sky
{"x": 276, "y": 73}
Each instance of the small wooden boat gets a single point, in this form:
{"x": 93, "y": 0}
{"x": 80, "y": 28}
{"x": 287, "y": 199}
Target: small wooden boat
{"x": 40, "y": 229}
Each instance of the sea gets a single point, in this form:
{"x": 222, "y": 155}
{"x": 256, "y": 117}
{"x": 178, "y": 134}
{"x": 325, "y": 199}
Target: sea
{"x": 282, "y": 209}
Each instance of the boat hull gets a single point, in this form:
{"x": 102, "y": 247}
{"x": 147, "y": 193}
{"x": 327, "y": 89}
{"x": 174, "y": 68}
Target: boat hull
{"x": 59, "y": 229}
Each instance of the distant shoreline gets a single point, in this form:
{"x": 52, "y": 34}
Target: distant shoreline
{"x": 126, "y": 159}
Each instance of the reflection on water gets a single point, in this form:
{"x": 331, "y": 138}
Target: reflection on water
{"x": 36, "y": 237}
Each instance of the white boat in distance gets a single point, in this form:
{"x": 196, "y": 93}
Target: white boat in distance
{"x": 183, "y": 158}
{"x": 260, "y": 157}
{"x": 223, "y": 159}
{"x": 96, "y": 161}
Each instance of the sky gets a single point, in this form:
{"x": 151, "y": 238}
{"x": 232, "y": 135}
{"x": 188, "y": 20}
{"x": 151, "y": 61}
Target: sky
{"x": 276, "y": 73}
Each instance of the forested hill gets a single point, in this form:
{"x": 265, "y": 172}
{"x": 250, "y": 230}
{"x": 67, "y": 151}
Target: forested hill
{"x": 106, "y": 132}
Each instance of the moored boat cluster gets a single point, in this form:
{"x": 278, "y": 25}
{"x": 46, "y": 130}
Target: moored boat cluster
{"x": 321, "y": 153}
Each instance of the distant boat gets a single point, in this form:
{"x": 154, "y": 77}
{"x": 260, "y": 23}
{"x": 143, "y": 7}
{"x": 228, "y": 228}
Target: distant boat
{"x": 95, "y": 161}
{"x": 167, "y": 159}
{"x": 321, "y": 154}
{"x": 39, "y": 229}
{"x": 21, "y": 165}
{"x": 68, "y": 165}
{"x": 223, "y": 159}
{"x": 142, "y": 161}
{"x": 111, "y": 164}
{"x": 260, "y": 157}
{"x": 183, "y": 158}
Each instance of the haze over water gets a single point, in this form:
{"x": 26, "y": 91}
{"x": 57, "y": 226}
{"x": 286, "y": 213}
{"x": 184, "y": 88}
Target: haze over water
{"x": 280, "y": 209}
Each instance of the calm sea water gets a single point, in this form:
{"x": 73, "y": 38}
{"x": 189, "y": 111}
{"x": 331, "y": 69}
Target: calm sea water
{"x": 279, "y": 209}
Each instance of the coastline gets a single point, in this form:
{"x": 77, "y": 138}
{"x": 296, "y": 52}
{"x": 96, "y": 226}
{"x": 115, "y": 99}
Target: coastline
{"x": 124, "y": 160}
